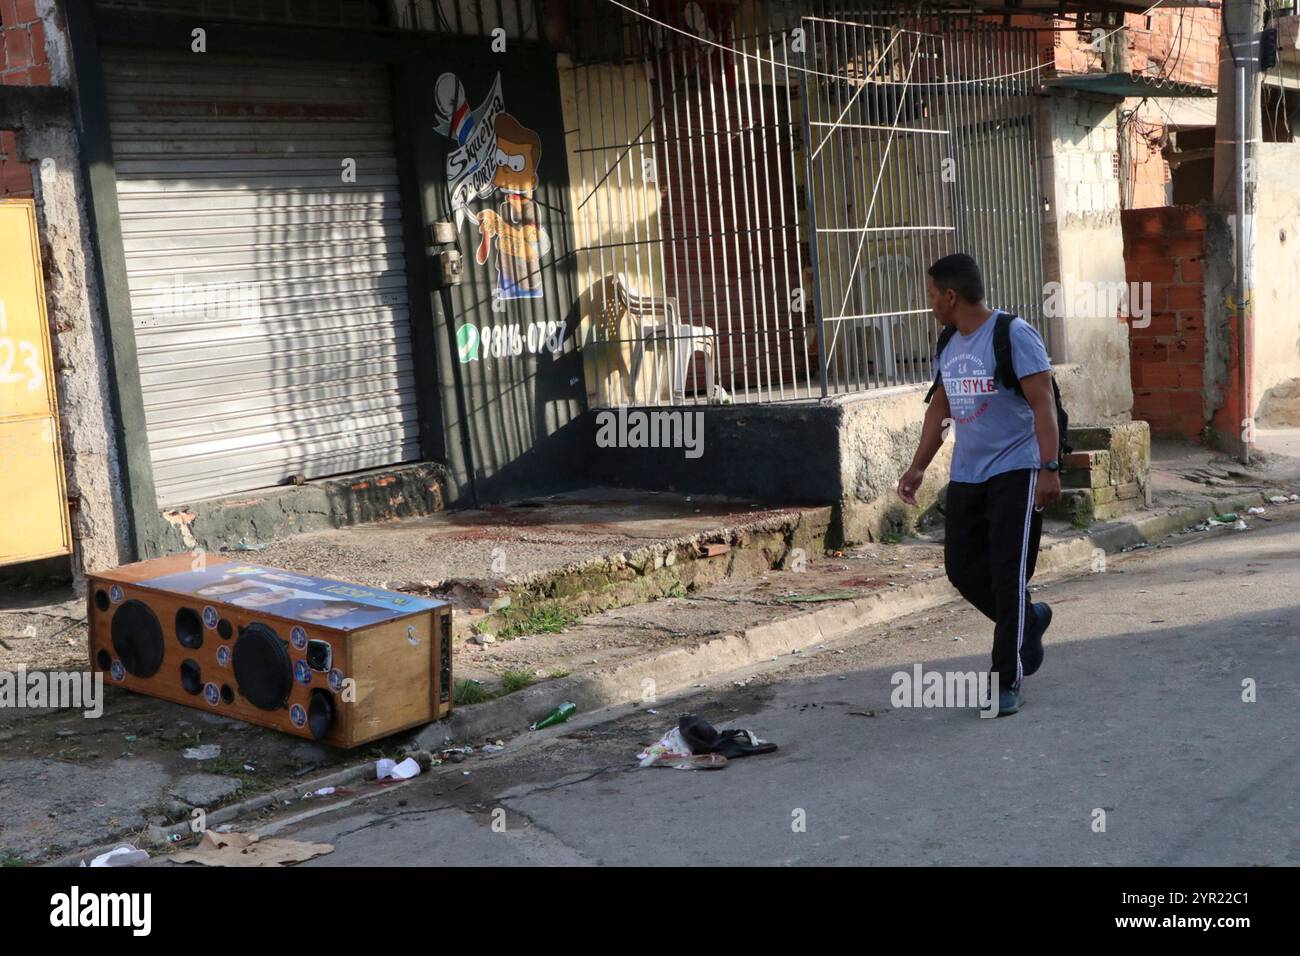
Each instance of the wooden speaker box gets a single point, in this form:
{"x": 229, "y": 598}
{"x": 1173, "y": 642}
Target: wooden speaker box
{"x": 321, "y": 659}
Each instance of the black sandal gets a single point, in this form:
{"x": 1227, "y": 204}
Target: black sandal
{"x": 702, "y": 738}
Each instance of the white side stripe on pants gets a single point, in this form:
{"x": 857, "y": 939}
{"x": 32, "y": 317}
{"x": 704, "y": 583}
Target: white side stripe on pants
{"x": 1024, "y": 555}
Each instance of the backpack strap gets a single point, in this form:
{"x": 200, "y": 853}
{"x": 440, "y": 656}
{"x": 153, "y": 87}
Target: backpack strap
{"x": 945, "y": 334}
{"x": 1005, "y": 372}
{"x": 1004, "y": 367}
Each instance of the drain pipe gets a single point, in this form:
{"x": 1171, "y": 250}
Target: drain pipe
{"x": 1245, "y": 235}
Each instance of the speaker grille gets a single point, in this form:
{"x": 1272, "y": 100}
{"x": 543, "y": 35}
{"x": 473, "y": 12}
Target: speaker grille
{"x": 262, "y": 667}
{"x": 444, "y": 679}
{"x": 137, "y": 638}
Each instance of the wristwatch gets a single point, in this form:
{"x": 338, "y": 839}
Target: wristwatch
{"x": 1052, "y": 465}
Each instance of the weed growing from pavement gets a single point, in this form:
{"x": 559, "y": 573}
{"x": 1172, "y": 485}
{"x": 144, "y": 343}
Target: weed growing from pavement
{"x": 471, "y": 692}
{"x": 514, "y": 680}
{"x": 547, "y": 619}
{"x": 230, "y": 766}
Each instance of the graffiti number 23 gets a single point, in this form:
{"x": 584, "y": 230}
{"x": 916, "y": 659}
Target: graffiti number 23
{"x": 24, "y": 352}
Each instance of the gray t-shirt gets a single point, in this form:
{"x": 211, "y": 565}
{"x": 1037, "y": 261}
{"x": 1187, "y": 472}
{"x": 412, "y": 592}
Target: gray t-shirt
{"x": 993, "y": 426}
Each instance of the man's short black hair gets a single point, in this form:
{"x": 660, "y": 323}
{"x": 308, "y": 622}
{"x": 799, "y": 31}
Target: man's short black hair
{"x": 960, "y": 273}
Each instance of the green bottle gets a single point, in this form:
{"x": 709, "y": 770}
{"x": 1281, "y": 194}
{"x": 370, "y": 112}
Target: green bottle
{"x": 558, "y": 716}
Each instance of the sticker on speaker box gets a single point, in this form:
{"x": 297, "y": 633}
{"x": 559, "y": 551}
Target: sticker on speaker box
{"x": 223, "y": 656}
{"x": 212, "y": 694}
{"x": 117, "y": 670}
{"x": 301, "y": 672}
{"x": 115, "y": 593}
{"x": 210, "y": 617}
{"x": 299, "y": 638}
{"x": 297, "y": 715}
{"x": 336, "y": 680}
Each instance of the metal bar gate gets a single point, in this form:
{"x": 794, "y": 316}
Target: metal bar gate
{"x": 756, "y": 203}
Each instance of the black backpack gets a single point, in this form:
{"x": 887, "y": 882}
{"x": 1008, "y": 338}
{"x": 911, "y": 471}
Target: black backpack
{"x": 1004, "y": 371}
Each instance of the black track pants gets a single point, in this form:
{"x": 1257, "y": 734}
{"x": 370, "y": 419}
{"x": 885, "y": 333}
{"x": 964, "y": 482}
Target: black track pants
{"x": 990, "y": 548}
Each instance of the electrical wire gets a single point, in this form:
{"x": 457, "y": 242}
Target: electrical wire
{"x": 839, "y": 77}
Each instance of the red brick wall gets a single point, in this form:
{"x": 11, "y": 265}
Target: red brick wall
{"x": 1165, "y": 246}
{"x": 23, "y": 62}
{"x": 1148, "y": 171}
{"x": 15, "y": 175}
{"x": 1181, "y": 45}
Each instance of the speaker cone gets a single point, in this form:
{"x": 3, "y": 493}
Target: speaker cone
{"x": 138, "y": 638}
{"x": 262, "y": 667}
{"x": 191, "y": 677}
{"x": 189, "y": 628}
{"x": 320, "y": 712}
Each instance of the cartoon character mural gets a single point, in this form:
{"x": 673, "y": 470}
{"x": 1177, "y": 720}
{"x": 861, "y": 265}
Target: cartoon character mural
{"x": 495, "y": 153}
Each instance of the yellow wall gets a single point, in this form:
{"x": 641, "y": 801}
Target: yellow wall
{"x": 33, "y": 505}
{"x": 609, "y": 106}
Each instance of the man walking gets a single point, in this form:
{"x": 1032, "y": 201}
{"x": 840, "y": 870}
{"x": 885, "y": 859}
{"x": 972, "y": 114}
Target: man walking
{"x": 1004, "y": 465}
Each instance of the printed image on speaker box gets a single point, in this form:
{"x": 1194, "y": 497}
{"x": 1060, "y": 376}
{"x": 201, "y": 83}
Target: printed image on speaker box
{"x": 295, "y": 596}
{"x": 317, "y": 658}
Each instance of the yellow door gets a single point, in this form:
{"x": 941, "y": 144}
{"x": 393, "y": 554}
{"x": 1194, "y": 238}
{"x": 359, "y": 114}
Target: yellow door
{"x": 33, "y": 502}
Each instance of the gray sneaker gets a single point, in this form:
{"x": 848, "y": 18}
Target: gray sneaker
{"x": 1009, "y": 701}
{"x": 1031, "y": 655}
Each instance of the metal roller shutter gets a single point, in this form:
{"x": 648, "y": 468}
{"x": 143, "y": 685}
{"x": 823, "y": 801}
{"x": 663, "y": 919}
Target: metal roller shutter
{"x": 268, "y": 295}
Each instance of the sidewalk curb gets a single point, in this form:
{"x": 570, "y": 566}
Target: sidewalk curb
{"x": 667, "y": 672}
{"x": 1124, "y": 534}
{"x": 677, "y": 668}
{"x": 226, "y": 814}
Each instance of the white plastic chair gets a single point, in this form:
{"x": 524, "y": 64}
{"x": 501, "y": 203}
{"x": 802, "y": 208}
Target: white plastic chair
{"x": 687, "y": 340}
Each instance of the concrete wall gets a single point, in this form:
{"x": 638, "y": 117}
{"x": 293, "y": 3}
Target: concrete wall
{"x": 1083, "y": 242}
{"x": 45, "y": 149}
{"x": 1276, "y": 357}
{"x": 848, "y": 452}
{"x": 784, "y": 453}
{"x": 253, "y": 520}
{"x": 877, "y": 438}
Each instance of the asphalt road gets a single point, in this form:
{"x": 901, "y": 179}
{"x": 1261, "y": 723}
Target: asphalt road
{"x": 1138, "y": 712}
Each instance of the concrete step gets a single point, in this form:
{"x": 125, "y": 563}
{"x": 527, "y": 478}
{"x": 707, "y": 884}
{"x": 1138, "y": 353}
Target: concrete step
{"x": 536, "y": 565}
